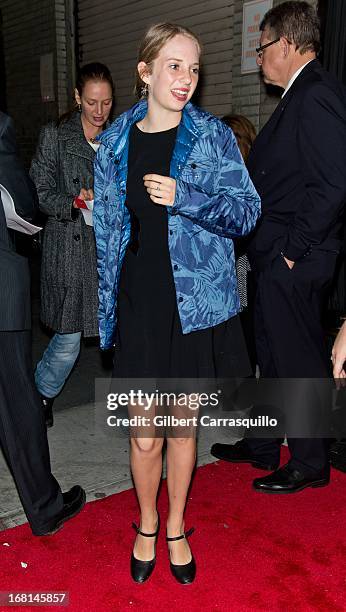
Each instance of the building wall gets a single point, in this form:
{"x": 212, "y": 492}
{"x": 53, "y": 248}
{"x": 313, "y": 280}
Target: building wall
{"x": 250, "y": 96}
{"x": 32, "y": 28}
{"x": 109, "y": 31}
{"x": 118, "y": 27}
{"x": 246, "y": 87}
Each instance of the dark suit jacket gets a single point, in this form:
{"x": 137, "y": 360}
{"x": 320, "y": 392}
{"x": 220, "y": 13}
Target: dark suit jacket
{"x": 12, "y": 173}
{"x": 298, "y": 166}
{"x": 14, "y": 270}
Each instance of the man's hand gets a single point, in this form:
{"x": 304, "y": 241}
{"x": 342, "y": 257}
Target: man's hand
{"x": 339, "y": 355}
{"x": 289, "y": 262}
{"x": 160, "y": 188}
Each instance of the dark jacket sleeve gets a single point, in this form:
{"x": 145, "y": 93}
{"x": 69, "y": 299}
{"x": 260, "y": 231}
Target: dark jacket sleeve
{"x": 322, "y": 154}
{"x": 44, "y": 172}
{"x": 13, "y": 175}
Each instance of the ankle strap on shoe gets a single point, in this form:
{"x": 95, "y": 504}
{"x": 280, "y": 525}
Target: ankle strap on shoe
{"x": 182, "y": 536}
{"x": 146, "y": 535}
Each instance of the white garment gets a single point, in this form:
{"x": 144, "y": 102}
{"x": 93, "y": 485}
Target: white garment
{"x": 293, "y": 78}
{"x": 94, "y": 145}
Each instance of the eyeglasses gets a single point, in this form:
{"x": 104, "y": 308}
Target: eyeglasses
{"x": 260, "y": 49}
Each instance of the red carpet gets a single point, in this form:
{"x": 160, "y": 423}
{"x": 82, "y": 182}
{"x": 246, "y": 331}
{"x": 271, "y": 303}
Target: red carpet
{"x": 254, "y": 551}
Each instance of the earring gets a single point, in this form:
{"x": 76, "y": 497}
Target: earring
{"x": 79, "y": 108}
{"x": 145, "y": 91}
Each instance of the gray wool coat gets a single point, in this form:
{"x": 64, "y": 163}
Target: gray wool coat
{"x": 62, "y": 166}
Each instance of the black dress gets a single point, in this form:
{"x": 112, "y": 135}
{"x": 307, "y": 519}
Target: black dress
{"x": 150, "y": 342}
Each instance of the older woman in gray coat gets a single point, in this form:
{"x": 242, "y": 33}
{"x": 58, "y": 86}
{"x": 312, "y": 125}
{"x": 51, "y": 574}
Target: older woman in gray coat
{"x": 63, "y": 169}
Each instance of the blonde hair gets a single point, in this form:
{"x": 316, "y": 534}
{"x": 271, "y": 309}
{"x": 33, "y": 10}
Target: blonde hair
{"x": 152, "y": 42}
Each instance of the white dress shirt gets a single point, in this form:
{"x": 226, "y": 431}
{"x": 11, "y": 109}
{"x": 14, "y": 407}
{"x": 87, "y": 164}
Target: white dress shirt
{"x": 293, "y": 78}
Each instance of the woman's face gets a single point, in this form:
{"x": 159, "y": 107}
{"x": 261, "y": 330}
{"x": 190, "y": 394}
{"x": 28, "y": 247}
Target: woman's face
{"x": 174, "y": 74}
{"x": 96, "y": 102}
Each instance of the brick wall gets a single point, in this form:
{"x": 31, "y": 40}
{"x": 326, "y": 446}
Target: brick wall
{"x": 246, "y": 87}
{"x": 32, "y": 28}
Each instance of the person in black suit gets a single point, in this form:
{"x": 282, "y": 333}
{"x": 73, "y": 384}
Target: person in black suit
{"x": 297, "y": 164}
{"x": 23, "y": 433}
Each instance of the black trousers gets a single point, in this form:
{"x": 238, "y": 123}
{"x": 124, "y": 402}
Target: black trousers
{"x": 23, "y": 434}
{"x": 290, "y": 344}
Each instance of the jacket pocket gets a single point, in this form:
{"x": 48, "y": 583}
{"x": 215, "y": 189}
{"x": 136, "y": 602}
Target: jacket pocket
{"x": 200, "y": 180}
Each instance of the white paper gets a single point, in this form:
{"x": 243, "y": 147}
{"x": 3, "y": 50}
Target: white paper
{"x": 88, "y": 214}
{"x": 14, "y": 221}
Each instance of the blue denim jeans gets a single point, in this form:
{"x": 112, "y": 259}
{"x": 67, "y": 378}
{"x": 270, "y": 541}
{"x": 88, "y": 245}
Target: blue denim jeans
{"x": 56, "y": 363}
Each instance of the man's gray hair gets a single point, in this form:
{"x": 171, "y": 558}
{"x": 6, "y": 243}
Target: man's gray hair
{"x": 296, "y": 21}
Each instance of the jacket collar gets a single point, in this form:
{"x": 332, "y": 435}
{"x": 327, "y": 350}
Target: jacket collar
{"x": 274, "y": 119}
{"x": 294, "y": 77}
{"x": 190, "y": 128}
{"x": 310, "y": 67}
{"x": 72, "y": 132}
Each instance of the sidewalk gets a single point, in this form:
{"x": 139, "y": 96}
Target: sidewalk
{"x": 81, "y": 454}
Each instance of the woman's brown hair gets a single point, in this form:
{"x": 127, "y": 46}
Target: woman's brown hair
{"x": 243, "y": 130}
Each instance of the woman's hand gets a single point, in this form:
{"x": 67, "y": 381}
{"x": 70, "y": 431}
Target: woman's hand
{"x": 160, "y": 188}
{"x": 84, "y": 194}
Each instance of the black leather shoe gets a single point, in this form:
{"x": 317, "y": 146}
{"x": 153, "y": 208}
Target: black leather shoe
{"x": 185, "y": 574}
{"x": 286, "y": 480}
{"x": 47, "y": 406}
{"x": 240, "y": 453}
{"x": 74, "y": 501}
{"x": 141, "y": 570}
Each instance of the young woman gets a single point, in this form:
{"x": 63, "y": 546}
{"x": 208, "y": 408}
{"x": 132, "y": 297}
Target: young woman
{"x": 61, "y": 170}
{"x": 171, "y": 191}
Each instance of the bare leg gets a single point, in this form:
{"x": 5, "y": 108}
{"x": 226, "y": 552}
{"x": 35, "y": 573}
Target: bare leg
{"x": 181, "y": 459}
{"x": 146, "y": 467}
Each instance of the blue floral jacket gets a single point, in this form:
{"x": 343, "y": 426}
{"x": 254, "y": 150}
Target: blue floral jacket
{"x": 215, "y": 201}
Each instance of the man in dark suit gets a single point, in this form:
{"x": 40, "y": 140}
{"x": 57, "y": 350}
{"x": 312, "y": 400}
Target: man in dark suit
{"x": 23, "y": 433}
{"x": 298, "y": 166}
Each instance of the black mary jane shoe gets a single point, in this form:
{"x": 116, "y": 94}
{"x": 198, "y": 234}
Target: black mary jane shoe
{"x": 141, "y": 570}
{"x": 185, "y": 574}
